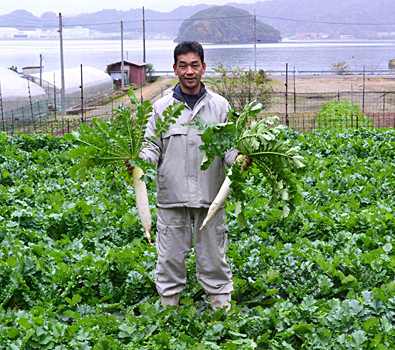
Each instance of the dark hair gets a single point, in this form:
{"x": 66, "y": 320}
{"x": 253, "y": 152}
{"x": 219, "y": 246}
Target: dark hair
{"x": 186, "y": 47}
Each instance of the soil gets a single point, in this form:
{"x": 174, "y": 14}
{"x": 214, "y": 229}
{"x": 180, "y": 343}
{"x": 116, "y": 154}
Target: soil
{"x": 151, "y": 92}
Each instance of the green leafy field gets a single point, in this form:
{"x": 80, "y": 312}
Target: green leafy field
{"x": 77, "y": 273}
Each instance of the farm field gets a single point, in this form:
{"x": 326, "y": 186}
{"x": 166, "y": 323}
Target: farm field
{"x": 77, "y": 273}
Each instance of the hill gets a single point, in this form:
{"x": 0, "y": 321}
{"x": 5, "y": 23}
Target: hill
{"x": 225, "y": 24}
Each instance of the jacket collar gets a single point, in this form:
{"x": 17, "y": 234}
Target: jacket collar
{"x": 177, "y": 93}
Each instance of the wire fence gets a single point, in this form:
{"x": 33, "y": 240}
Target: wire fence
{"x": 298, "y": 110}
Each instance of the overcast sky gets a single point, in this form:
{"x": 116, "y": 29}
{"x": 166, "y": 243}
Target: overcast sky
{"x": 66, "y": 7}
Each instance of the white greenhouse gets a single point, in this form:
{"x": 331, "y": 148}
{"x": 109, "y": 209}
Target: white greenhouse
{"x": 20, "y": 98}
{"x": 95, "y": 82}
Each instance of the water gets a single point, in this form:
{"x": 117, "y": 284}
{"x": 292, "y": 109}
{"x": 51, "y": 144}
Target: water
{"x": 303, "y": 55}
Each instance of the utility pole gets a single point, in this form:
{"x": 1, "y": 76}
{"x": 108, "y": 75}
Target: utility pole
{"x": 256, "y": 87}
{"x": 122, "y": 64}
{"x": 144, "y": 58}
{"x": 63, "y": 102}
{"x": 41, "y": 69}
{"x": 255, "y": 41}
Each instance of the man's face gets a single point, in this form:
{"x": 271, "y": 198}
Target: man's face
{"x": 189, "y": 69}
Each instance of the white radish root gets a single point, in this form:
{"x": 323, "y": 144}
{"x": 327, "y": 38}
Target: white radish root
{"x": 221, "y": 196}
{"x": 142, "y": 202}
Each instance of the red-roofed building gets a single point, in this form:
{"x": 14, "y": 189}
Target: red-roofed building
{"x": 134, "y": 71}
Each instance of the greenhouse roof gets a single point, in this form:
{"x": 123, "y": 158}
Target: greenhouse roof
{"x": 91, "y": 76}
{"x": 13, "y": 86}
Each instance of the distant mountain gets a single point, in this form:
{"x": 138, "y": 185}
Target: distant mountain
{"x": 292, "y": 16}
{"x": 338, "y": 11}
{"x": 225, "y": 24}
{"x": 20, "y": 17}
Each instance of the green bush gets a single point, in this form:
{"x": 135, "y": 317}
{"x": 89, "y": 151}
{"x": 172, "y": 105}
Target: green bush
{"x": 337, "y": 116}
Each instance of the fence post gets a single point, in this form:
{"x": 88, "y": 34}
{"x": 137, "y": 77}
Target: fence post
{"x": 1, "y": 107}
{"x": 294, "y": 91}
{"x": 286, "y": 95}
{"x": 39, "y": 114}
{"x": 12, "y": 125}
{"x": 82, "y": 97}
{"x": 68, "y": 126}
{"x": 352, "y": 105}
{"x": 23, "y": 120}
{"x": 338, "y": 95}
{"x": 383, "y": 103}
{"x": 249, "y": 85}
{"x": 363, "y": 91}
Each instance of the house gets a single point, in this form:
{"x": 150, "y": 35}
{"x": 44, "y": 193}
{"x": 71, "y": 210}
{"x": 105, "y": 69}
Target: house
{"x": 347, "y": 37}
{"x": 31, "y": 70}
{"x": 134, "y": 71}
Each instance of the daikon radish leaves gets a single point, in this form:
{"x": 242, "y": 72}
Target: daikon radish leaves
{"x": 265, "y": 143}
{"x": 111, "y": 142}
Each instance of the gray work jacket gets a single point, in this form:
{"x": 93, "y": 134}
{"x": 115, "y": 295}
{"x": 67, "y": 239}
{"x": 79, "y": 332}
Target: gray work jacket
{"x": 180, "y": 182}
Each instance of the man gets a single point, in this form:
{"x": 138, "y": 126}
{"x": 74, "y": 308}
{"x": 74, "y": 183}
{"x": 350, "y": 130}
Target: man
{"x": 184, "y": 191}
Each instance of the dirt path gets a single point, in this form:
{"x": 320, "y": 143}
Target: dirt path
{"x": 151, "y": 91}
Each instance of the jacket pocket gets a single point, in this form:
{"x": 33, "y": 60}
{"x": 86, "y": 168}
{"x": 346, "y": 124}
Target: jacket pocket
{"x": 222, "y": 239}
{"x": 174, "y": 144}
{"x": 175, "y": 131}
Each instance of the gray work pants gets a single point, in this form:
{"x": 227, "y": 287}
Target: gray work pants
{"x": 174, "y": 242}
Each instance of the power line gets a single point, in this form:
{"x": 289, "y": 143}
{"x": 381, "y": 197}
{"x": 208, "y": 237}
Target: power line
{"x": 47, "y": 51}
{"x": 134, "y": 21}
{"x": 100, "y": 24}
{"x": 194, "y": 19}
{"x": 324, "y": 22}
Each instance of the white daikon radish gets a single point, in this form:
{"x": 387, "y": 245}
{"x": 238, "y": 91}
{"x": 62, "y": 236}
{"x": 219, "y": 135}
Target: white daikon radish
{"x": 222, "y": 194}
{"x": 142, "y": 202}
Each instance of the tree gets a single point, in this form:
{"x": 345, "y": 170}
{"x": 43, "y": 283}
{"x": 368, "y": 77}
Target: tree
{"x": 340, "y": 67}
{"x": 13, "y": 68}
{"x": 240, "y": 87}
{"x": 149, "y": 71}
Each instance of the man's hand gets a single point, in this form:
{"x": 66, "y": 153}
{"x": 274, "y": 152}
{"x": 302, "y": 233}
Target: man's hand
{"x": 129, "y": 167}
{"x": 247, "y": 162}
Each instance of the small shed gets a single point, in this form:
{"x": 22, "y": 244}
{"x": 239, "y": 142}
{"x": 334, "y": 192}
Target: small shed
{"x": 134, "y": 71}
{"x": 31, "y": 70}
